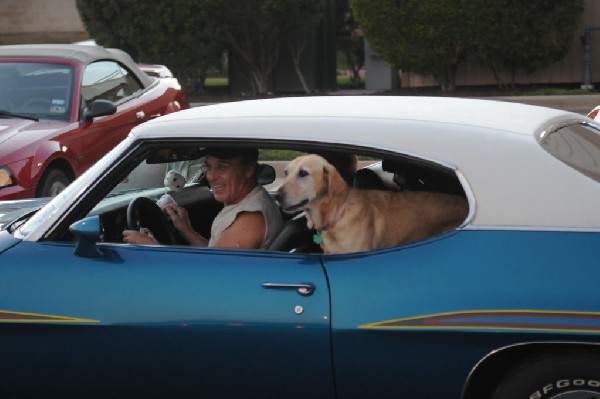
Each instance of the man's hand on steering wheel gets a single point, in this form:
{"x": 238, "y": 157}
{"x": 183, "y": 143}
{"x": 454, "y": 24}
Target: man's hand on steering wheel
{"x": 143, "y": 212}
{"x": 137, "y": 237}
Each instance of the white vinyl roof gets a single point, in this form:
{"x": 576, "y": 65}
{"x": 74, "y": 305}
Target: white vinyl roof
{"x": 511, "y": 180}
{"x": 484, "y": 113}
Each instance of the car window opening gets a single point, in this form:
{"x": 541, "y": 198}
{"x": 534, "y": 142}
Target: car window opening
{"x": 369, "y": 171}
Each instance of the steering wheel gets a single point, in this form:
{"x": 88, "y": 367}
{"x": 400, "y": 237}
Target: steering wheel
{"x": 143, "y": 212}
{"x": 39, "y": 101}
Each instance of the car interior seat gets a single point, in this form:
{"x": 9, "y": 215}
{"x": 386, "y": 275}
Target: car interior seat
{"x": 415, "y": 177}
{"x": 266, "y": 174}
{"x": 295, "y": 237}
{"x": 366, "y": 178}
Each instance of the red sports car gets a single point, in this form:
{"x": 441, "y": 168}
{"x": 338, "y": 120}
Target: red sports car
{"x": 62, "y": 107}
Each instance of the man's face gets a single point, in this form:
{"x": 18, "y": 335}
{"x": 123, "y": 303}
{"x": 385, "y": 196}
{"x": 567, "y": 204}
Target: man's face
{"x": 228, "y": 178}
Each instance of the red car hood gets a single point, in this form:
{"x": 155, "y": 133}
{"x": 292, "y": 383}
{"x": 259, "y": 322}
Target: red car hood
{"x": 15, "y": 134}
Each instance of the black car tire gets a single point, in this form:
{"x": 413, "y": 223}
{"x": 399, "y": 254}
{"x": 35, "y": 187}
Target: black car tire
{"x": 574, "y": 375}
{"x": 53, "y": 181}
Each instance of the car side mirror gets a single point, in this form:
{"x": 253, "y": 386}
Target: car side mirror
{"x": 87, "y": 234}
{"x": 98, "y": 108}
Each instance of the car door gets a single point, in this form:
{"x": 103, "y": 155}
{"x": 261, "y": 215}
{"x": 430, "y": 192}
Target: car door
{"x": 165, "y": 321}
{"x": 108, "y": 80}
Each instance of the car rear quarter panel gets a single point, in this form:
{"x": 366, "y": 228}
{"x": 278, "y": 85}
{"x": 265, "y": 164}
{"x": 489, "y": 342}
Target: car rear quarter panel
{"x": 163, "y": 97}
{"x": 417, "y": 319}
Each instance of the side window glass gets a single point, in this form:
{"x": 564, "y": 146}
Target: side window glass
{"x": 107, "y": 80}
{"x": 392, "y": 200}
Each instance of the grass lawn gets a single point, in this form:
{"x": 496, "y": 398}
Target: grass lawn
{"x": 216, "y": 82}
{"x": 278, "y": 155}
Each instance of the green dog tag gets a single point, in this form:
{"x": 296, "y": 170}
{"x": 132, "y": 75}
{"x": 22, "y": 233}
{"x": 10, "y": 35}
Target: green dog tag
{"x": 317, "y": 239}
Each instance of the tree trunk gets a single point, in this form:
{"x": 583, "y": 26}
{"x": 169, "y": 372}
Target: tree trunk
{"x": 296, "y": 57}
{"x": 447, "y": 79}
{"x": 499, "y": 80}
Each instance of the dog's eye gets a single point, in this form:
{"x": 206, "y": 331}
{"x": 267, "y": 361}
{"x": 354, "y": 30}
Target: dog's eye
{"x": 302, "y": 173}
{"x": 285, "y": 173}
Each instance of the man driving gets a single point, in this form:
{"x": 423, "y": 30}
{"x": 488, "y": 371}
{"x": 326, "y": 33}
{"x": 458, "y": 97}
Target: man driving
{"x": 249, "y": 218}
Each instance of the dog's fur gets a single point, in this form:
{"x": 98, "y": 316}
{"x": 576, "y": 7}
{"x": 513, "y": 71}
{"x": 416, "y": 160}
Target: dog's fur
{"x": 352, "y": 220}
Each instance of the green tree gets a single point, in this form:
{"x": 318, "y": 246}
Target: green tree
{"x": 256, "y": 30}
{"x": 350, "y": 40}
{"x": 302, "y": 30}
{"x": 107, "y": 23}
{"x": 436, "y": 36}
{"x": 178, "y": 33}
{"x": 524, "y": 35}
{"x": 423, "y": 36}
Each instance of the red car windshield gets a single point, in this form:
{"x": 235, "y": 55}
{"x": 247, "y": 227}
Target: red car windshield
{"x": 41, "y": 90}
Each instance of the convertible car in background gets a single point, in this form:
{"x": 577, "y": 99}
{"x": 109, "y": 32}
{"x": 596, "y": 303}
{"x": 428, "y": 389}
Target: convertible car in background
{"x": 594, "y": 113}
{"x": 62, "y": 107}
{"x": 504, "y": 306}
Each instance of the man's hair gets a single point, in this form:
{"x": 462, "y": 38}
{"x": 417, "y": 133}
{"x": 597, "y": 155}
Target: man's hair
{"x": 248, "y": 155}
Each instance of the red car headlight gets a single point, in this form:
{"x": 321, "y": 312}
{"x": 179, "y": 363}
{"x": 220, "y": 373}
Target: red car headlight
{"x": 6, "y": 177}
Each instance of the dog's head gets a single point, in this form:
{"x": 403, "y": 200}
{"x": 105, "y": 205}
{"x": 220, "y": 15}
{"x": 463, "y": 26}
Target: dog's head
{"x": 307, "y": 179}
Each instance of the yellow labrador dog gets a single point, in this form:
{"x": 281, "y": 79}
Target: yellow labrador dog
{"x": 351, "y": 219}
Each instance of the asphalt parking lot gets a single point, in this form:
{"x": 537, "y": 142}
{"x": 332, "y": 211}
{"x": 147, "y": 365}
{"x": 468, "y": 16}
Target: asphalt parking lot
{"x": 581, "y": 104}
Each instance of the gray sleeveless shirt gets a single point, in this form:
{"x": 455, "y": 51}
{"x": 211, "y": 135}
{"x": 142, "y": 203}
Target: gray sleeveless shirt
{"x": 258, "y": 200}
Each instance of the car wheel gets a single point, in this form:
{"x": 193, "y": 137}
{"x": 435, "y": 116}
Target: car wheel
{"x": 52, "y": 182}
{"x": 554, "y": 376}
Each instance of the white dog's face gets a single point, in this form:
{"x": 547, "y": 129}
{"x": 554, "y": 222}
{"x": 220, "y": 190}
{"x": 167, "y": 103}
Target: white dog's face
{"x": 305, "y": 180}
{"x": 302, "y": 184}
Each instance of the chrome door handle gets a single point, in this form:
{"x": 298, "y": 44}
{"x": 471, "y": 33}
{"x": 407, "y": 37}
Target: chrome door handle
{"x": 304, "y": 289}
{"x": 140, "y": 115}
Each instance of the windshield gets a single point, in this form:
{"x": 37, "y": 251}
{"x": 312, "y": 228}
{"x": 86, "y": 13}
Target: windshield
{"x": 36, "y": 89}
{"x": 73, "y": 191}
{"x": 146, "y": 177}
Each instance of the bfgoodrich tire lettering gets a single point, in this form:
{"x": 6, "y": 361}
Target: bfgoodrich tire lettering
{"x": 563, "y": 375}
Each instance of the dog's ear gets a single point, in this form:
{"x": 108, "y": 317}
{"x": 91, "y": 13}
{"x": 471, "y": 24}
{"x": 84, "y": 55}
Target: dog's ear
{"x": 336, "y": 185}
